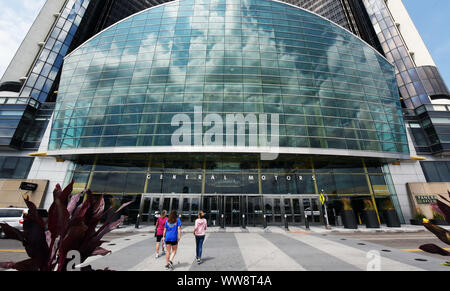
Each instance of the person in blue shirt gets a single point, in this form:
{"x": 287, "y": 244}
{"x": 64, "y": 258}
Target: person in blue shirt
{"x": 172, "y": 235}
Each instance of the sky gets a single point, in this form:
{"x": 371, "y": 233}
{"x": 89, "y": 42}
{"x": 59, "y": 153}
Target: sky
{"x": 430, "y": 17}
{"x": 16, "y": 17}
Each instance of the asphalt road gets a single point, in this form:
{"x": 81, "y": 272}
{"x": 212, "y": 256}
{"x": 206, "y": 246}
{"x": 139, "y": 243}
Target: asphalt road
{"x": 13, "y": 251}
{"x": 409, "y": 242}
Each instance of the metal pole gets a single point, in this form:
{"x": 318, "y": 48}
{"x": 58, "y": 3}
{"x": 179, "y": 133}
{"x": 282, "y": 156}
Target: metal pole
{"x": 137, "y": 221}
{"x": 243, "y": 221}
{"x": 286, "y": 225}
{"x": 325, "y": 213}
{"x": 265, "y": 221}
{"x": 222, "y": 222}
{"x": 306, "y": 220}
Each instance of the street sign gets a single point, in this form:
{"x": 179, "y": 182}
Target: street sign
{"x": 322, "y": 198}
{"x": 28, "y": 186}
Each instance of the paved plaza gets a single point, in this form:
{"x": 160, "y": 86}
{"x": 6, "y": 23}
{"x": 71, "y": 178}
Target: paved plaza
{"x": 273, "y": 249}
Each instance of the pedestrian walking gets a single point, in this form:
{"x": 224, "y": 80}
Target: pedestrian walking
{"x": 159, "y": 231}
{"x": 172, "y": 235}
{"x": 200, "y": 233}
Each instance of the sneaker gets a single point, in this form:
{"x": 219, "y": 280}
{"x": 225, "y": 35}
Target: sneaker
{"x": 163, "y": 253}
{"x": 199, "y": 261}
{"x": 156, "y": 256}
{"x": 171, "y": 265}
{"x": 167, "y": 267}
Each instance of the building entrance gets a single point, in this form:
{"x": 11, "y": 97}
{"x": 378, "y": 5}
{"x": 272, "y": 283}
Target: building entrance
{"x": 234, "y": 210}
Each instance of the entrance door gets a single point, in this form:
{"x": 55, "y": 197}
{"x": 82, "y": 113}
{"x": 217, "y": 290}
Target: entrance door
{"x": 212, "y": 206}
{"x": 273, "y": 209}
{"x": 187, "y": 207}
{"x": 310, "y": 207}
{"x": 232, "y": 210}
{"x": 186, "y": 211}
{"x": 288, "y": 211}
{"x": 277, "y": 215}
{"x": 171, "y": 203}
{"x": 268, "y": 209}
{"x": 255, "y": 211}
{"x": 195, "y": 207}
{"x": 148, "y": 208}
{"x": 297, "y": 211}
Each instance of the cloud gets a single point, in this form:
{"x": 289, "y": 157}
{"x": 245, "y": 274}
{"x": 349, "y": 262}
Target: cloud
{"x": 16, "y": 18}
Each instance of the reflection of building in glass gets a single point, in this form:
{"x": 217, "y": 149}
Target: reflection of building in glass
{"x": 418, "y": 84}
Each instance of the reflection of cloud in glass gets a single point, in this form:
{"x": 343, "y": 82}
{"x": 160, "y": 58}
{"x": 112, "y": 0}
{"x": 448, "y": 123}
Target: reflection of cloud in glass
{"x": 227, "y": 58}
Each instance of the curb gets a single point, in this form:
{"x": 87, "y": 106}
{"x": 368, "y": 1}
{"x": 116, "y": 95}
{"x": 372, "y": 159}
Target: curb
{"x": 317, "y": 230}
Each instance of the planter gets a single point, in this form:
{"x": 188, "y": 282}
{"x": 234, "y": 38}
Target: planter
{"x": 338, "y": 221}
{"x": 439, "y": 222}
{"x": 371, "y": 219}
{"x": 391, "y": 218}
{"x": 416, "y": 222}
{"x": 349, "y": 219}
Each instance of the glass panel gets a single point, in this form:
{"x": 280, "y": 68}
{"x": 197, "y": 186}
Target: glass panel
{"x": 268, "y": 209}
{"x": 194, "y": 208}
{"x": 277, "y": 209}
{"x": 194, "y": 60}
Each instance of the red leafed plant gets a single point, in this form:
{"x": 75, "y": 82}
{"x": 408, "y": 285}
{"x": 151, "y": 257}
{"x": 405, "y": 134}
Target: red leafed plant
{"x": 70, "y": 228}
{"x": 441, "y": 233}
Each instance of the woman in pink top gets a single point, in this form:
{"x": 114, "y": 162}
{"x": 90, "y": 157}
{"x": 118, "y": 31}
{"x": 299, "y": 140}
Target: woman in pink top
{"x": 199, "y": 232}
{"x": 159, "y": 231}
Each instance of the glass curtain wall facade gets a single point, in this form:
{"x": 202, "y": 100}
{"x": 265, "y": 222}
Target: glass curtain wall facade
{"x": 331, "y": 90}
{"x": 50, "y": 60}
{"x": 418, "y": 85}
{"x": 121, "y": 89}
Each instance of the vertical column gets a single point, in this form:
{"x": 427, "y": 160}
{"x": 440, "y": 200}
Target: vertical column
{"x": 91, "y": 175}
{"x": 204, "y": 175}
{"x": 314, "y": 177}
{"x": 259, "y": 176}
{"x": 148, "y": 173}
{"x": 372, "y": 194}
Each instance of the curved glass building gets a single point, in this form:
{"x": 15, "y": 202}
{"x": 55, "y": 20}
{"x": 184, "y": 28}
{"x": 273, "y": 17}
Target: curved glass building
{"x": 169, "y": 108}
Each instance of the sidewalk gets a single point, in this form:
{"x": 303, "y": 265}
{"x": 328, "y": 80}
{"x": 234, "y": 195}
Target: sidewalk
{"x": 406, "y": 228}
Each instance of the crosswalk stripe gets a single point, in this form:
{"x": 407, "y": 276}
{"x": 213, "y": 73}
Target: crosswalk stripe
{"x": 350, "y": 255}
{"x": 260, "y": 254}
{"x": 186, "y": 254}
{"x": 119, "y": 244}
{"x": 183, "y": 259}
{"x": 12, "y": 251}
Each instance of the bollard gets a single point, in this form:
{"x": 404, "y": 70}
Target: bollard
{"x": 137, "y": 221}
{"x": 222, "y": 221}
{"x": 306, "y": 221}
{"x": 243, "y": 221}
{"x": 286, "y": 225}
{"x": 265, "y": 221}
